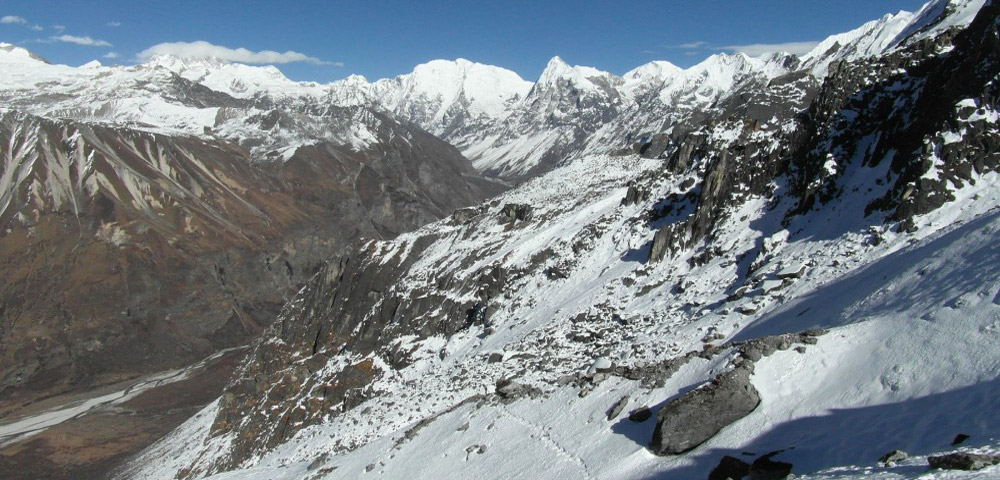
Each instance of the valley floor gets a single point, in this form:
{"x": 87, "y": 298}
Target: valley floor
{"x": 78, "y": 437}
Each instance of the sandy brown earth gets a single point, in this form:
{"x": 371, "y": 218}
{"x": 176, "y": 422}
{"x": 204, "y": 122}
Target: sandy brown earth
{"x": 90, "y": 446}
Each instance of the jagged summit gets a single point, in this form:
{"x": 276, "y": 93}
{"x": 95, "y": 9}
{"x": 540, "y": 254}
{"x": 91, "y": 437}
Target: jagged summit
{"x": 557, "y": 69}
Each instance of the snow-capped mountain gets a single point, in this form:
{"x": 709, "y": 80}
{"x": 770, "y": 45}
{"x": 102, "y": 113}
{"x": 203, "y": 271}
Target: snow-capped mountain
{"x": 799, "y": 277}
{"x": 507, "y": 126}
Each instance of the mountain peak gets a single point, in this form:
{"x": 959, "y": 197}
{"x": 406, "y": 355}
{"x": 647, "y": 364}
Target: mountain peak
{"x": 10, "y": 53}
{"x": 657, "y": 69}
{"x": 557, "y": 68}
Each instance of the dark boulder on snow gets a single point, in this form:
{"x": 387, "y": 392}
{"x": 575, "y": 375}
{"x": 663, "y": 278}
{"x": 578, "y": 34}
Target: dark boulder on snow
{"x": 516, "y": 212}
{"x": 730, "y": 468}
{"x": 509, "y": 390}
{"x": 963, "y": 461}
{"x": 893, "y": 457}
{"x": 617, "y": 408}
{"x": 766, "y": 469}
{"x": 698, "y": 415}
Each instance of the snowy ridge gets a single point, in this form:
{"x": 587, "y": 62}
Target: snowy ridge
{"x": 235, "y": 79}
{"x": 253, "y": 106}
{"x": 507, "y": 126}
{"x": 891, "y": 31}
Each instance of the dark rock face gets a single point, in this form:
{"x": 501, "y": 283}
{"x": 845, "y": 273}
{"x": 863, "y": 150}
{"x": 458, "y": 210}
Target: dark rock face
{"x": 961, "y": 437}
{"x": 143, "y": 252}
{"x": 963, "y": 461}
{"x": 905, "y": 101}
{"x": 635, "y": 194}
{"x": 698, "y": 415}
{"x": 730, "y": 468}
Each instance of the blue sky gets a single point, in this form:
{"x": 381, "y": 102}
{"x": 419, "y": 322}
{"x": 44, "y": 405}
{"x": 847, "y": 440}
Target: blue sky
{"x": 328, "y": 40}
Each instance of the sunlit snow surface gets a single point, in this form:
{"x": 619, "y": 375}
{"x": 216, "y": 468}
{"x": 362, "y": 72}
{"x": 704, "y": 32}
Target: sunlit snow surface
{"x": 911, "y": 359}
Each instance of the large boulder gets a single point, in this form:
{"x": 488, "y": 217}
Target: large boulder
{"x": 698, "y": 415}
{"x": 963, "y": 461}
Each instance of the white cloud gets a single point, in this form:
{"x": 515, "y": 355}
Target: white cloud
{"x": 37, "y": 28}
{"x": 202, "y": 49}
{"x": 85, "y": 41}
{"x": 114, "y": 24}
{"x": 757, "y": 49}
{"x": 11, "y": 19}
{"x": 111, "y": 55}
{"x": 59, "y": 28}
{"x": 691, "y": 45}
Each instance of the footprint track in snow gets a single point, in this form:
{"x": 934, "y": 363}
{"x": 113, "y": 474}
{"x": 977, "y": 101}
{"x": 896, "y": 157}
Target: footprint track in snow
{"x": 550, "y": 442}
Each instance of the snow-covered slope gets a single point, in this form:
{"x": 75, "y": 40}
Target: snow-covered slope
{"x": 909, "y": 362}
{"x": 838, "y": 248}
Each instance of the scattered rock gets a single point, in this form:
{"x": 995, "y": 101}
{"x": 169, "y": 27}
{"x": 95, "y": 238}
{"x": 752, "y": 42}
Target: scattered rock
{"x": 566, "y": 380}
{"x": 963, "y": 461}
{"x": 791, "y": 271}
{"x": 318, "y": 462}
{"x": 463, "y": 215}
{"x": 698, "y": 415}
{"x": 772, "y": 285}
{"x": 370, "y": 467}
{"x": 495, "y": 358}
{"x": 509, "y": 390}
{"x": 961, "y": 437}
{"x": 892, "y": 458}
{"x": 480, "y": 449}
{"x": 602, "y": 365}
{"x": 640, "y": 414}
{"x": 730, "y": 468}
{"x": 617, "y": 408}
{"x": 766, "y": 469}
